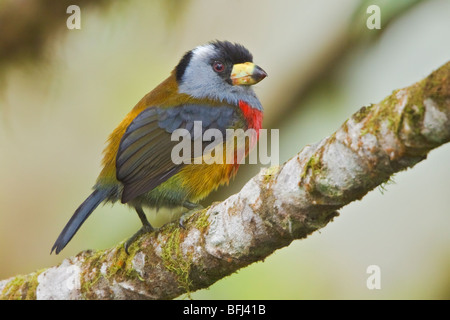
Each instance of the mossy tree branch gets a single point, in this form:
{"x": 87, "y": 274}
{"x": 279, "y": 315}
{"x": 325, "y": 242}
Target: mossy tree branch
{"x": 277, "y": 206}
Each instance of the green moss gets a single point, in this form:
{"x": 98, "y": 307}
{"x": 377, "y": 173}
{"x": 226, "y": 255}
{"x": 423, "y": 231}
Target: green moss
{"x": 313, "y": 166}
{"x": 21, "y": 287}
{"x": 118, "y": 264}
{"x": 387, "y": 114}
{"x": 174, "y": 260}
{"x": 201, "y": 222}
{"x": 122, "y": 262}
{"x": 270, "y": 173}
{"x": 32, "y": 284}
{"x": 437, "y": 85}
{"x": 362, "y": 113}
{"x": 13, "y": 289}
{"x": 383, "y": 186}
{"x": 92, "y": 272}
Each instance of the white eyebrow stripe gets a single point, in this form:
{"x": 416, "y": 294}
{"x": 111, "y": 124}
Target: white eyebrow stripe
{"x": 201, "y": 51}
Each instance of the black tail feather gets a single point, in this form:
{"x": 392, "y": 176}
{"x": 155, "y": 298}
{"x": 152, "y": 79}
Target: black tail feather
{"x": 80, "y": 215}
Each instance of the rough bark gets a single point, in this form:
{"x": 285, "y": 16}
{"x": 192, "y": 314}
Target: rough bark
{"x": 277, "y": 206}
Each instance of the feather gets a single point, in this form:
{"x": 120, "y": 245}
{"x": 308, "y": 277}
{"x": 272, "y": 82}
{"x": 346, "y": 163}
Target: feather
{"x": 143, "y": 158}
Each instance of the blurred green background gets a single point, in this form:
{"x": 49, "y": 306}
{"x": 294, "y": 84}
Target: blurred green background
{"x": 63, "y": 91}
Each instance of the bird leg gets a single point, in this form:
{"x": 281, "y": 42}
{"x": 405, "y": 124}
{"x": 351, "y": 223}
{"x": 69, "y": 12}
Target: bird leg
{"x": 146, "y": 228}
{"x": 193, "y": 207}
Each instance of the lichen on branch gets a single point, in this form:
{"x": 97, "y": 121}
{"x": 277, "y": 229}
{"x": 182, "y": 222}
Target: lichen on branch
{"x": 277, "y": 206}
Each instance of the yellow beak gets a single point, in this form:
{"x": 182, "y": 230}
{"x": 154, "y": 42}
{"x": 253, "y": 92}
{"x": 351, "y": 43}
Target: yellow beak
{"x": 246, "y": 74}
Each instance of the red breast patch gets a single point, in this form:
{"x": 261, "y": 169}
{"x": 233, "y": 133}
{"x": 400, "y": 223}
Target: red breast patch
{"x": 253, "y": 116}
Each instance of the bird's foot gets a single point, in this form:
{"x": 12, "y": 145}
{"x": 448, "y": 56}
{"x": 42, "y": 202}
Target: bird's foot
{"x": 146, "y": 228}
{"x": 194, "y": 207}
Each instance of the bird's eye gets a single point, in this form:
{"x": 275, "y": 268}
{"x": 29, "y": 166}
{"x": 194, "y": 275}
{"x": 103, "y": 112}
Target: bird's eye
{"x": 218, "y": 66}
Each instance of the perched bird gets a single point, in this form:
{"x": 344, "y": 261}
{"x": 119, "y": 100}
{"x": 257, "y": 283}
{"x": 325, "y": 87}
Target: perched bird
{"x": 211, "y": 84}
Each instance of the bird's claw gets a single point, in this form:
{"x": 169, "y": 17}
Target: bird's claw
{"x": 188, "y": 214}
{"x": 143, "y": 230}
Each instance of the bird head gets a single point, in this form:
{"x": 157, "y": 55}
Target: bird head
{"x": 219, "y": 70}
